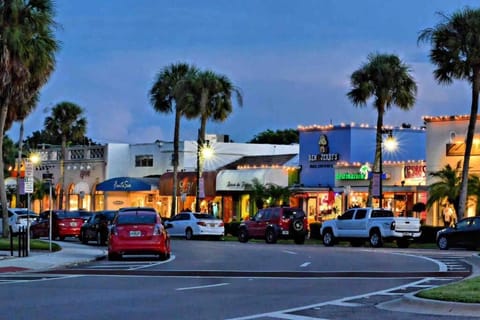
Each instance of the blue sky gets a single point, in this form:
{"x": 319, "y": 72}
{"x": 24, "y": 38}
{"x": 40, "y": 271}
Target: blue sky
{"x": 291, "y": 59}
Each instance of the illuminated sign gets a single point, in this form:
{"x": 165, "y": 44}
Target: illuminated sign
{"x": 362, "y": 174}
{"x": 458, "y": 149}
{"x": 414, "y": 172}
{"x": 324, "y": 154}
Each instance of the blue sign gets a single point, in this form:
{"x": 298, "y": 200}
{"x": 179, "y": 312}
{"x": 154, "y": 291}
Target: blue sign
{"x": 128, "y": 184}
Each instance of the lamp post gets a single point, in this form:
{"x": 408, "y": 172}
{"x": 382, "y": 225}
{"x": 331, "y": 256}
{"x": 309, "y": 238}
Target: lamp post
{"x": 204, "y": 152}
{"x": 390, "y": 145}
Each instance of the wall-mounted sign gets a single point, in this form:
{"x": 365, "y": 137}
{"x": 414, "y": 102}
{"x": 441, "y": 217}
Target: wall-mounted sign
{"x": 458, "y": 149}
{"x": 362, "y": 174}
{"x": 414, "y": 172}
{"x": 324, "y": 151}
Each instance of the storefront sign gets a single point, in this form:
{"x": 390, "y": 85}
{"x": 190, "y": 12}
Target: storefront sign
{"x": 362, "y": 174}
{"x": 324, "y": 151}
{"x": 458, "y": 149}
{"x": 414, "y": 172}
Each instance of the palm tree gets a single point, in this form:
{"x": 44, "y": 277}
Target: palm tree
{"x": 455, "y": 52}
{"x": 447, "y": 187}
{"x": 166, "y": 96}
{"x": 67, "y": 122}
{"x": 210, "y": 97}
{"x": 27, "y": 58}
{"x": 386, "y": 79}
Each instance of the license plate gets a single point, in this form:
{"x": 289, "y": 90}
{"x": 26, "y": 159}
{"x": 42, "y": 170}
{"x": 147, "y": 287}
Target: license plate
{"x": 135, "y": 233}
{"x": 408, "y": 234}
{"x": 73, "y": 224}
{"x": 212, "y": 224}
{"x": 285, "y": 232}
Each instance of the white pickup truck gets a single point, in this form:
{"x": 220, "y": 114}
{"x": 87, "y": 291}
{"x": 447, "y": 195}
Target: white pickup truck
{"x": 375, "y": 225}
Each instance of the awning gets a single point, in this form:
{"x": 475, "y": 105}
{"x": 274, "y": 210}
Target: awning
{"x": 128, "y": 184}
{"x": 242, "y": 179}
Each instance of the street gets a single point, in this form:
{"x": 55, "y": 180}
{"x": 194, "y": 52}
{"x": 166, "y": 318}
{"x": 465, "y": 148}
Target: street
{"x": 231, "y": 280}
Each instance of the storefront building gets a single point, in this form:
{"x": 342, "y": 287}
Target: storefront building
{"x": 445, "y": 145}
{"x": 336, "y": 164}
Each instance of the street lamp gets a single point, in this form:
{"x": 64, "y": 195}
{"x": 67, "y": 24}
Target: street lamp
{"x": 204, "y": 152}
{"x": 390, "y": 145}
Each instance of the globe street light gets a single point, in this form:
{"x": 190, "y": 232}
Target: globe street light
{"x": 204, "y": 152}
{"x": 390, "y": 144}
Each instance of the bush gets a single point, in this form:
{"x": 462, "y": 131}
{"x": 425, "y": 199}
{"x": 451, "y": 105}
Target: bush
{"x": 232, "y": 228}
{"x": 315, "y": 230}
{"x": 429, "y": 234}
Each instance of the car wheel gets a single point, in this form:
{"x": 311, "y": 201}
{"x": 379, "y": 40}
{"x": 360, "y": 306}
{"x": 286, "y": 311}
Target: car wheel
{"x": 442, "y": 243}
{"x": 113, "y": 256}
{"x": 297, "y": 225}
{"x": 328, "y": 238}
{"x": 163, "y": 256}
{"x": 299, "y": 239}
{"x": 188, "y": 234}
{"x": 83, "y": 239}
{"x": 402, "y": 243}
{"x": 100, "y": 241}
{"x": 270, "y": 236}
{"x": 242, "y": 235}
{"x": 375, "y": 239}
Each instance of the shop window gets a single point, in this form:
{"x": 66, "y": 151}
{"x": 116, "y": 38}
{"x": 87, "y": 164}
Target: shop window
{"x": 144, "y": 160}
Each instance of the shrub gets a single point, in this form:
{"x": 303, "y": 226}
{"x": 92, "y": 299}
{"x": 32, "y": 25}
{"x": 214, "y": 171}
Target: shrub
{"x": 232, "y": 228}
{"x": 429, "y": 234}
{"x": 315, "y": 230}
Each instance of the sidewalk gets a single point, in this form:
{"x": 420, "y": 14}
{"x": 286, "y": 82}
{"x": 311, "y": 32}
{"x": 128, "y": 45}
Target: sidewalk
{"x": 71, "y": 253}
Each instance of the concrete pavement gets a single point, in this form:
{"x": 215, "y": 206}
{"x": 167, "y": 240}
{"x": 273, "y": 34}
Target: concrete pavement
{"x": 71, "y": 253}
{"x": 75, "y": 253}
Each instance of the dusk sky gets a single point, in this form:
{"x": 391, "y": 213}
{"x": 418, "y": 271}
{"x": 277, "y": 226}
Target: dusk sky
{"x": 292, "y": 61}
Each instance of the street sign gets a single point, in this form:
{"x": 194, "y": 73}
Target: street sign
{"x": 28, "y": 177}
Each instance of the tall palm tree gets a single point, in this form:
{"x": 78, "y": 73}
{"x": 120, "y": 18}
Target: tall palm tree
{"x": 67, "y": 121}
{"x": 166, "y": 96}
{"x": 27, "y": 58}
{"x": 387, "y": 80}
{"x": 210, "y": 98}
{"x": 456, "y": 53}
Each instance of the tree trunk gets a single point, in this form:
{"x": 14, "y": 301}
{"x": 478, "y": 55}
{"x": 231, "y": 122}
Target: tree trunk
{"x": 176, "y": 138}
{"x": 462, "y": 201}
{"x": 3, "y": 192}
{"x": 378, "y": 151}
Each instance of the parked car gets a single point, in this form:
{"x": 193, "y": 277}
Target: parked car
{"x": 64, "y": 224}
{"x": 275, "y": 223}
{"x": 195, "y": 224}
{"x": 464, "y": 234}
{"x": 138, "y": 231}
{"x": 20, "y": 217}
{"x": 97, "y": 226}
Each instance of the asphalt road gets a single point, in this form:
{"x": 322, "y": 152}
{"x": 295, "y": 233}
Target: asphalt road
{"x": 230, "y": 280}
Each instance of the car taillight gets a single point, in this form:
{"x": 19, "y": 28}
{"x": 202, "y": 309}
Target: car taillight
{"x": 221, "y": 224}
{"x": 201, "y": 223}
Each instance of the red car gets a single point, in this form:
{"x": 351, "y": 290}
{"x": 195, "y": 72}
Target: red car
{"x": 64, "y": 223}
{"x": 138, "y": 231}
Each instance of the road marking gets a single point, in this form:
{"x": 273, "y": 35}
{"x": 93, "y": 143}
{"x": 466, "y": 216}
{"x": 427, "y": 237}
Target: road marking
{"x": 303, "y": 265}
{"x": 289, "y": 252}
{"x": 203, "y": 287}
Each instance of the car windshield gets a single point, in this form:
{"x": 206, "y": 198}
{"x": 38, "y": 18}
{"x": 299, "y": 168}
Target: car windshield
{"x": 203, "y": 216}
{"x": 136, "y": 219}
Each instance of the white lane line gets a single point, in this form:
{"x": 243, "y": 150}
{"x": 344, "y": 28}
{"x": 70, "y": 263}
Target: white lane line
{"x": 289, "y": 252}
{"x": 203, "y": 287}
{"x": 293, "y": 317}
{"x": 441, "y": 266}
{"x": 303, "y": 265}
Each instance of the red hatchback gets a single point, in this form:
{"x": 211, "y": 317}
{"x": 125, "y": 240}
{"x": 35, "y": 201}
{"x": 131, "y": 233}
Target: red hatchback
{"x": 138, "y": 231}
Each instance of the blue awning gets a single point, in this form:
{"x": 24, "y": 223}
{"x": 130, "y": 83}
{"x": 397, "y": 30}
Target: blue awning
{"x": 128, "y": 184}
